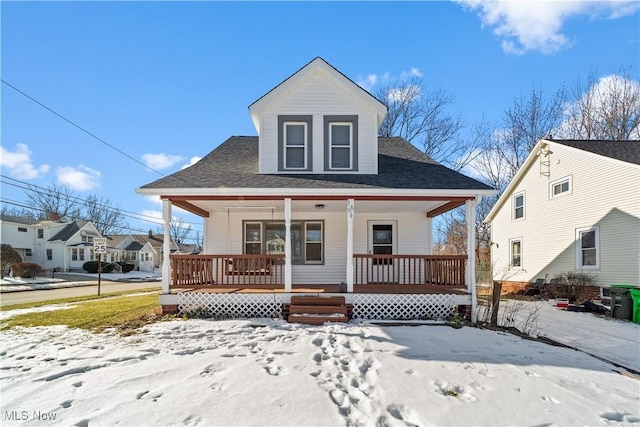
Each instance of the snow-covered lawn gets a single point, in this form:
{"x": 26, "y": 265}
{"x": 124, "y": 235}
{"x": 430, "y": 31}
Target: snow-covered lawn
{"x": 264, "y": 372}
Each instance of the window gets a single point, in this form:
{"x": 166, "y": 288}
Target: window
{"x": 74, "y": 254}
{"x": 294, "y": 143}
{"x": 27, "y": 252}
{"x": 587, "y": 244}
{"x": 40, "y": 233}
{"x": 49, "y": 254}
{"x": 87, "y": 239}
{"x": 22, "y": 229}
{"x": 92, "y": 255}
{"x": 270, "y": 237}
{"x": 560, "y": 188}
{"x": 382, "y": 242}
{"x": 341, "y": 143}
{"x": 518, "y": 206}
{"x": 515, "y": 253}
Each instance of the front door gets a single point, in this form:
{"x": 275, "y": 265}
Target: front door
{"x": 382, "y": 241}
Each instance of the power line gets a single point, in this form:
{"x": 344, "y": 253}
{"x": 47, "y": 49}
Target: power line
{"x": 77, "y": 199}
{"x": 79, "y": 127}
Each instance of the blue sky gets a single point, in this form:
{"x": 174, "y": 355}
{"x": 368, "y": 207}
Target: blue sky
{"x": 165, "y": 82}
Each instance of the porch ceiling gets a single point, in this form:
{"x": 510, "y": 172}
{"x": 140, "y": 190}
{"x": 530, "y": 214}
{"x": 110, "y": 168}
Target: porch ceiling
{"x": 319, "y": 205}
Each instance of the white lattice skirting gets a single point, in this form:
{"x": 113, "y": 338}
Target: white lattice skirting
{"x": 234, "y": 306}
{"x": 403, "y": 307}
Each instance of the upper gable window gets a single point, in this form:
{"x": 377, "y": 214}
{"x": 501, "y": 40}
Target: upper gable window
{"x": 341, "y": 143}
{"x": 560, "y": 187}
{"x": 518, "y": 206}
{"x": 294, "y": 143}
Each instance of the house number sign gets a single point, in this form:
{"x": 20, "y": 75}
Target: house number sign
{"x": 100, "y": 245}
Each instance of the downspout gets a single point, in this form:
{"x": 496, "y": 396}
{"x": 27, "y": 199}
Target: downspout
{"x": 166, "y": 246}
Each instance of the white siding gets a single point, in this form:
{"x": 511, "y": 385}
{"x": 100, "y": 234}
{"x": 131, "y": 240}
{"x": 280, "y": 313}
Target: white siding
{"x": 605, "y": 193}
{"x": 318, "y": 96}
{"x": 225, "y": 237}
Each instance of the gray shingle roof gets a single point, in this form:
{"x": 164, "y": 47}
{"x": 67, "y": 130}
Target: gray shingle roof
{"x": 19, "y": 219}
{"x": 627, "y": 151}
{"x": 234, "y": 164}
{"x": 68, "y": 231}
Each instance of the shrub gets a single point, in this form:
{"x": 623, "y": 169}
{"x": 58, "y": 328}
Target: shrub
{"x": 8, "y": 256}
{"x": 92, "y": 267}
{"x": 570, "y": 284}
{"x": 126, "y": 267}
{"x": 25, "y": 269}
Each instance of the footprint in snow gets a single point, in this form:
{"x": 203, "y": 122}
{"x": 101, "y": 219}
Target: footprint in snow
{"x": 66, "y": 404}
{"x": 551, "y": 399}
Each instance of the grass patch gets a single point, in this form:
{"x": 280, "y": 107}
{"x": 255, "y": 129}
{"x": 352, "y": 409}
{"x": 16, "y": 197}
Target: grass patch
{"x": 124, "y": 313}
{"x": 77, "y": 299}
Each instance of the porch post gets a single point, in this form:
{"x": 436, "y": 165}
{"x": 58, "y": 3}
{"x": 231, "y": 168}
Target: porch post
{"x": 351, "y": 210}
{"x": 430, "y": 227}
{"x": 166, "y": 246}
{"x": 287, "y": 245}
{"x": 471, "y": 254}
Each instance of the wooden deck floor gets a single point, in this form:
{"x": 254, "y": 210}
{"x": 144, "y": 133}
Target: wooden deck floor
{"x": 333, "y": 289}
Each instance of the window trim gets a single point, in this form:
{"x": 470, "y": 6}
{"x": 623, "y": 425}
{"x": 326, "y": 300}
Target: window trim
{"x": 303, "y": 227}
{"x": 514, "y": 207}
{"x": 567, "y": 179}
{"x": 511, "y": 242}
{"x": 28, "y": 252}
{"x": 40, "y": 233}
{"x": 307, "y": 121}
{"x": 22, "y": 229}
{"x": 49, "y": 254}
{"x": 353, "y": 155}
{"x": 579, "y": 249}
{"x": 312, "y": 242}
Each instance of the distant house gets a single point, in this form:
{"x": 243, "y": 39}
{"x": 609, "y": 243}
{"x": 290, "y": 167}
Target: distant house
{"x": 52, "y": 244}
{"x": 315, "y": 204}
{"x": 574, "y": 206}
{"x": 143, "y": 250}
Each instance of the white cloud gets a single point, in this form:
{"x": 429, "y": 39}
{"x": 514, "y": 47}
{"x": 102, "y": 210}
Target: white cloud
{"x": 536, "y": 25}
{"x": 81, "y": 178}
{"x": 19, "y": 163}
{"x": 161, "y": 160}
{"x": 155, "y": 215}
{"x": 371, "y": 80}
{"x": 193, "y": 161}
{"x": 368, "y": 82}
{"x": 413, "y": 72}
{"x": 404, "y": 94}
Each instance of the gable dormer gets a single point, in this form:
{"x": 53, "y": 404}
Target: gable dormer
{"x": 318, "y": 121}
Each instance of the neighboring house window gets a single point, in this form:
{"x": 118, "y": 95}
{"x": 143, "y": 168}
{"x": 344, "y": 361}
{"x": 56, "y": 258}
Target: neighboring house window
{"x": 74, "y": 254}
{"x": 22, "y": 229}
{"x": 588, "y": 252}
{"x": 515, "y": 253}
{"x": 294, "y": 143}
{"x": 87, "y": 239}
{"x": 518, "y": 206}
{"x": 91, "y": 255}
{"x": 307, "y": 239}
{"x": 40, "y": 233}
{"x": 49, "y": 254}
{"x": 560, "y": 187}
{"x": 341, "y": 142}
{"x": 27, "y": 252}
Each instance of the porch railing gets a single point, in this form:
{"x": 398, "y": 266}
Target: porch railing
{"x": 232, "y": 270}
{"x": 447, "y": 270}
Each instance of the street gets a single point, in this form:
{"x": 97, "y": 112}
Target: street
{"x": 10, "y": 298}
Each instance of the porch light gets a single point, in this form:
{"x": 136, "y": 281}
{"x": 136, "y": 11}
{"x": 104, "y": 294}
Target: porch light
{"x": 319, "y": 206}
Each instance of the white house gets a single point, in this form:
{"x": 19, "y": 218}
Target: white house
{"x": 317, "y": 199}
{"x": 574, "y": 206}
{"x": 142, "y": 250}
{"x": 51, "y": 244}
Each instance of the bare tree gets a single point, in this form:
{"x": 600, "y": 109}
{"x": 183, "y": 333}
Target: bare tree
{"x": 107, "y": 218}
{"x": 420, "y": 116}
{"x": 604, "y": 109}
{"x": 179, "y": 230}
{"x": 524, "y": 123}
{"x": 53, "y": 203}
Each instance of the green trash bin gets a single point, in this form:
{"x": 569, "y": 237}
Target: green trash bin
{"x": 635, "y": 296}
{"x": 621, "y": 302}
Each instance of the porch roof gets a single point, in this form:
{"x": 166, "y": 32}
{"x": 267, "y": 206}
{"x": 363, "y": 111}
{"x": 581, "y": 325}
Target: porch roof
{"x": 234, "y": 164}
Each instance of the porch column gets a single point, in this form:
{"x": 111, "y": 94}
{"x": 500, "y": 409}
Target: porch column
{"x": 471, "y": 253}
{"x": 430, "y": 227}
{"x": 287, "y": 245}
{"x": 166, "y": 246}
{"x": 351, "y": 210}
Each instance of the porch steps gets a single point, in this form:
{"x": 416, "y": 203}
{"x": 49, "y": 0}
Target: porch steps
{"x": 312, "y": 310}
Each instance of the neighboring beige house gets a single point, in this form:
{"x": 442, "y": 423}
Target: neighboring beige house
{"x": 317, "y": 203}
{"x": 574, "y": 206}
